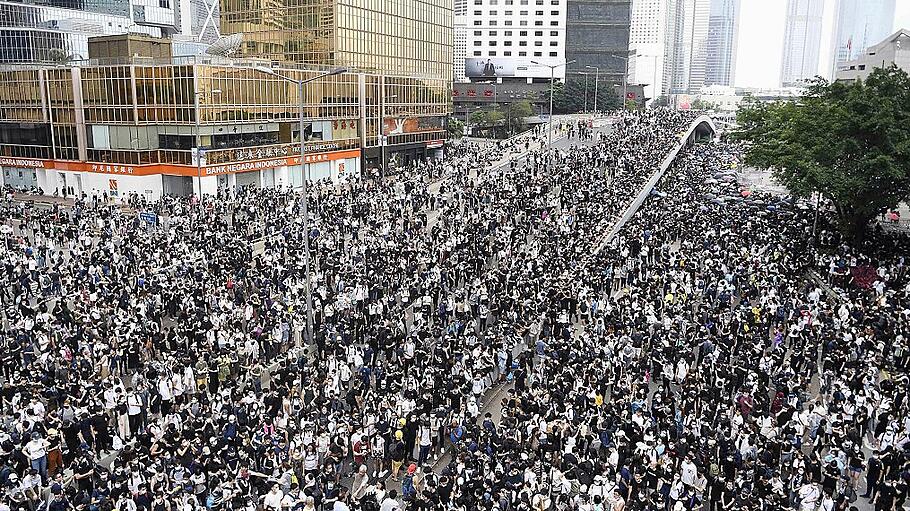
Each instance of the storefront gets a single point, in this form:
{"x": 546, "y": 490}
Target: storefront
{"x": 153, "y": 181}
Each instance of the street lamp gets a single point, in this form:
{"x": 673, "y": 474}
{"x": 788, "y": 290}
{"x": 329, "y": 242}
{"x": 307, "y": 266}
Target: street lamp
{"x": 552, "y": 80}
{"x": 495, "y": 95}
{"x": 625, "y": 73}
{"x": 383, "y": 138}
{"x": 196, "y": 95}
{"x": 306, "y": 177}
{"x": 596, "y": 84}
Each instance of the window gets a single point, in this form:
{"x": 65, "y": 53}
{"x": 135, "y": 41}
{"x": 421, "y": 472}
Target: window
{"x": 539, "y": 2}
{"x": 538, "y": 23}
{"x": 554, "y": 13}
{"x": 862, "y": 67}
{"x": 492, "y": 43}
{"x": 523, "y": 33}
{"x": 508, "y": 13}
{"x": 508, "y": 2}
{"x": 554, "y": 2}
{"x": 537, "y": 54}
{"x": 478, "y": 43}
{"x": 494, "y": 13}
{"x": 522, "y": 54}
{"x": 538, "y": 33}
{"x": 506, "y": 54}
{"x": 478, "y": 13}
{"x": 522, "y": 43}
{"x": 476, "y": 22}
{"x": 538, "y": 13}
{"x": 554, "y": 33}
{"x": 493, "y": 33}
{"x": 554, "y": 23}
{"x": 478, "y": 32}
{"x": 492, "y": 54}
{"x": 492, "y": 23}
{"x": 508, "y": 33}
{"x": 554, "y": 43}
{"x": 477, "y": 2}
{"x": 552, "y": 53}
{"x": 507, "y": 43}
{"x": 508, "y": 23}
{"x": 478, "y": 53}
{"x": 523, "y": 23}
{"x": 538, "y": 43}
{"x": 523, "y": 13}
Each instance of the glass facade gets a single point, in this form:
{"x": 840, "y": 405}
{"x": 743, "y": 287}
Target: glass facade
{"x": 58, "y": 30}
{"x": 393, "y": 36}
{"x": 145, "y": 112}
{"x": 597, "y": 35}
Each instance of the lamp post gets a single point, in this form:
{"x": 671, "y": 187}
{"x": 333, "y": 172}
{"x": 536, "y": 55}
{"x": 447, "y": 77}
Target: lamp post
{"x": 596, "y": 85}
{"x": 552, "y": 80}
{"x": 306, "y": 177}
{"x": 382, "y": 134}
{"x": 625, "y": 73}
{"x": 196, "y": 95}
{"x": 586, "y": 91}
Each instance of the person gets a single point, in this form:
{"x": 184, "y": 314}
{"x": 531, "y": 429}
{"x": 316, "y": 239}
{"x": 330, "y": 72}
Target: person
{"x": 389, "y": 503}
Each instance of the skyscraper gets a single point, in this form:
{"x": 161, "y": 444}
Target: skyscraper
{"x": 597, "y": 35}
{"x": 686, "y": 40}
{"x": 646, "y": 40}
{"x": 700, "y": 44}
{"x": 720, "y": 46}
{"x": 860, "y": 24}
{"x": 802, "y": 41}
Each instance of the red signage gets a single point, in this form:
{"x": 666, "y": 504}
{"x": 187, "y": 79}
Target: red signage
{"x": 456, "y": 93}
{"x": 488, "y": 93}
{"x": 472, "y": 93}
{"x": 631, "y": 95}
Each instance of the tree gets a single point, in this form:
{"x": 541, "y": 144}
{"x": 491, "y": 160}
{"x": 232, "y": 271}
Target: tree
{"x": 515, "y": 114}
{"x": 569, "y": 96}
{"x": 849, "y": 142}
{"x": 455, "y": 127}
{"x": 701, "y": 104}
{"x": 661, "y": 101}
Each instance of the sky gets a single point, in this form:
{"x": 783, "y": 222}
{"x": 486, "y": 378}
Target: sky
{"x": 761, "y": 40}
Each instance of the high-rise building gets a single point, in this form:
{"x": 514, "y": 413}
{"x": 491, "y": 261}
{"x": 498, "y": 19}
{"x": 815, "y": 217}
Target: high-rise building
{"x": 700, "y": 44}
{"x": 460, "y": 51}
{"x": 404, "y": 36}
{"x": 647, "y": 43}
{"x": 597, "y": 35}
{"x": 802, "y": 41}
{"x": 720, "y": 46}
{"x": 58, "y": 30}
{"x": 860, "y": 24}
{"x": 504, "y": 37}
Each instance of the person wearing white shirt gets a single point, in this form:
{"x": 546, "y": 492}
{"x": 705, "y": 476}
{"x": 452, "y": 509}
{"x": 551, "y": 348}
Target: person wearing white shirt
{"x": 272, "y": 500}
{"x": 389, "y": 503}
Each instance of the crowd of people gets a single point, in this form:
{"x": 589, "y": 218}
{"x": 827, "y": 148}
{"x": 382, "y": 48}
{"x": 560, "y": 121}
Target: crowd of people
{"x": 478, "y": 343}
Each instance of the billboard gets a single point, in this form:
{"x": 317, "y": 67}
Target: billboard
{"x": 483, "y": 67}
{"x": 480, "y": 67}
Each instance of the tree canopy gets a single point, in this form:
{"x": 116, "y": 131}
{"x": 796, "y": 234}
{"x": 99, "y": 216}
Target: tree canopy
{"x": 849, "y": 142}
{"x": 569, "y": 97}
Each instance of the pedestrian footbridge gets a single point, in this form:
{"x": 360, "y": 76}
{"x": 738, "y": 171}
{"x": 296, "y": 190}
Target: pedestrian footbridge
{"x": 701, "y": 128}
